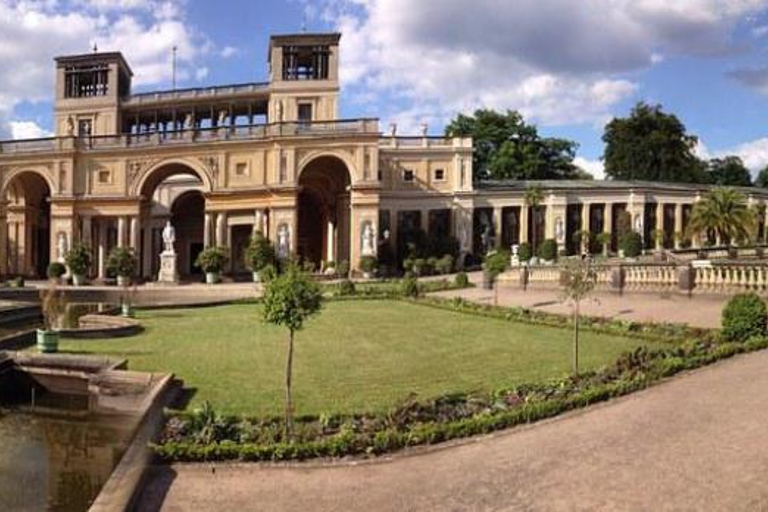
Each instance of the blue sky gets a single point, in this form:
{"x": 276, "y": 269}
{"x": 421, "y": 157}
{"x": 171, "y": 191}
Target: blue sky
{"x": 568, "y": 66}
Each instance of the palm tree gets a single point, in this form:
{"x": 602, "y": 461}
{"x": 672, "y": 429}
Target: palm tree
{"x": 534, "y": 196}
{"x": 724, "y": 213}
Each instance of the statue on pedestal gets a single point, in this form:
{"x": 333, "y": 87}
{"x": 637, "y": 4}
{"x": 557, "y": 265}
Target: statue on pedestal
{"x": 283, "y": 242}
{"x": 168, "y": 264}
{"x": 169, "y": 237}
{"x": 368, "y": 240}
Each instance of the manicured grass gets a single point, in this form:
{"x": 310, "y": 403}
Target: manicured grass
{"x": 355, "y": 356}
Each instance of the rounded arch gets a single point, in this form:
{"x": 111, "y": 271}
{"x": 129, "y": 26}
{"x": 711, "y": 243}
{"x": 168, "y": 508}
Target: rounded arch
{"x": 34, "y": 172}
{"x": 311, "y": 159}
{"x": 157, "y": 172}
{"x": 187, "y": 214}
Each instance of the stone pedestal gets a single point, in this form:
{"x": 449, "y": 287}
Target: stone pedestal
{"x": 169, "y": 272}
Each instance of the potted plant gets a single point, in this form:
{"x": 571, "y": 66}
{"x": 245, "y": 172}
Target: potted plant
{"x": 369, "y": 265}
{"x": 56, "y": 270}
{"x": 53, "y": 306}
{"x": 212, "y": 260}
{"x": 122, "y": 262}
{"x": 259, "y": 253}
{"x": 603, "y": 240}
{"x": 78, "y": 259}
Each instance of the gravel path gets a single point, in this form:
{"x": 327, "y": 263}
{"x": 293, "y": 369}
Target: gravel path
{"x": 698, "y": 442}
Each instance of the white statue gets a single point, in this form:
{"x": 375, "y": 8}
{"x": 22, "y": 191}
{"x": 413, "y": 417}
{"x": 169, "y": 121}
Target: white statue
{"x": 70, "y": 126}
{"x": 463, "y": 236}
{"x": 424, "y": 128}
{"x": 189, "y": 121}
{"x": 283, "y": 241}
{"x": 368, "y": 240}
{"x": 559, "y": 229}
{"x": 169, "y": 237}
{"x": 61, "y": 246}
{"x": 392, "y": 129}
{"x": 639, "y": 223}
{"x": 222, "y": 118}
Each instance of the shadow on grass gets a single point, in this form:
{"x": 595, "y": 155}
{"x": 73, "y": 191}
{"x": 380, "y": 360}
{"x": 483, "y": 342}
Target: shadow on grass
{"x": 183, "y": 398}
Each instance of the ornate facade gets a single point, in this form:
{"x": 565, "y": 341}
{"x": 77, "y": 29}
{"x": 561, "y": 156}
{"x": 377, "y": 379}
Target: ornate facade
{"x": 222, "y": 162}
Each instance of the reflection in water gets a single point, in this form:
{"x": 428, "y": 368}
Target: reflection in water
{"x": 55, "y": 463}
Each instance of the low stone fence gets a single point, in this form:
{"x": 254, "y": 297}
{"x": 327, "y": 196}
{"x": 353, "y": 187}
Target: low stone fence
{"x": 103, "y": 326}
{"x": 696, "y": 277}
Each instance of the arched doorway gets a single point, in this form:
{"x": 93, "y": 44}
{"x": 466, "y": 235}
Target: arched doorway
{"x": 323, "y": 211}
{"x": 188, "y": 218}
{"x": 174, "y": 192}
{"x": 29, "y": 225}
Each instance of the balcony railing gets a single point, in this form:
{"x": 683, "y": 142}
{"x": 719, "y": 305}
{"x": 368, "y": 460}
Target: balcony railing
{"x": 344, "y": 127}
{"x": 194, "y": 93}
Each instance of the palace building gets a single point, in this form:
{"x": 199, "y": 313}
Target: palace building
{"x": 222, "y": 162}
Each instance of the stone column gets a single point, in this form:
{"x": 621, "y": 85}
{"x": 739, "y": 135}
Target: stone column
{"x": 134, "y": 234}
{"x": 524, "y": 211}
{"x": 147, "y": 253}
{"x": 86, "y": 236}
{"x": 121, "y": 228}
{"x": 659, "y": 225}
{"x": 331, "y": 242}
{"x": 3, "y": 243}
{"x": 207, "y": 230}
{"x": 102, "y": 244}
{"x": 498, "y": 225}
{"x": 678, "y": 225}
{"x": 608, "y": 224}
{"x": 221, "y": 225}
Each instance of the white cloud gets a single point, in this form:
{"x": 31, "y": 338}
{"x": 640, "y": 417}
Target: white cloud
{"x": 558, "y": 61}
{"x": 754, "y": 153}
{"x": 593, "y": 167}
{"x": 28, "y": 130}
{"x": 228, "y": 51}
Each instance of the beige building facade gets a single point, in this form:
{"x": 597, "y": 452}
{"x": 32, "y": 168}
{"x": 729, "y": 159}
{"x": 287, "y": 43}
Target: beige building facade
{"x": 223, "y": 162}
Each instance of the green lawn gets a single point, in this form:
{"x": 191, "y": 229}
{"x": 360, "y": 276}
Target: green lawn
{"x": 355, "y": 356}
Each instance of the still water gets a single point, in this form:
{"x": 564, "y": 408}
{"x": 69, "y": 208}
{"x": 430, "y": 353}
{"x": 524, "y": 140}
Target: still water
{"x": 57, "y": 462}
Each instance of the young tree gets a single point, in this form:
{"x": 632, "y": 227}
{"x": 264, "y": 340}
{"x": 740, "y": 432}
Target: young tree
{"x": 578, "y": 279}
{"x": 724, "y": 213}
{"x": 651, "y": 145}
{"x": 533, "y": 197}
{"x": 289, "y": 300}
{"x": 729, "y": 171}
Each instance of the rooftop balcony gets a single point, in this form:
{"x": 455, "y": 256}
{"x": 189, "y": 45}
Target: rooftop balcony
{"x": 344, "y": 128}
{"x": 201, "y": 93}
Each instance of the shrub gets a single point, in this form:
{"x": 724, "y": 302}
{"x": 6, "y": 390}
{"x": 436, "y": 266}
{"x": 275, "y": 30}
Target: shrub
{"x": 211, "y": 259}
{"x": 78, "y": 259}
{"x": 369, "y": 264}
{"x": 524, "y": 252}
{"x": 461, "y": 280}
{"x": 409, "y": 287}
{"x": 56, "y": 270}
{"x": 444, "y": 265}
{"x": 122, "y": 262}
{"x": 260, "y": 252}
{"x": 632, "y": 244}
{"x": 496, "y": 262}
{"x": 342, "y": 269}
{"x": 346, "y": 288}
{"x": 267, "y": 273}
{"x": 547, "y": 251}
{"x": 744, "y": 316}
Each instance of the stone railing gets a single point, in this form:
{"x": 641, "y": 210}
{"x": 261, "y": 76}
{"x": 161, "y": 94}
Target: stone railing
{"x": 344, "y": 127}
{"x": 217, "y": 92}
{"x": 716, "y": 278}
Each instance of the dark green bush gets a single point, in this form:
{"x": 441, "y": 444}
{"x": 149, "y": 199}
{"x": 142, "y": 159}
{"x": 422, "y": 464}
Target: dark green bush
{"x": 346, "y": 288}
{"x": 56, "y": 270}
{"x": 632, "y": 244}
{"x": 524, "y": 252}
{"x": 744, "y": 316}
{"x": 444, "y": 265}
{"x": 547, "y": 251}
{"x": 496, "y": 263}
{"x": 461, "y": 280}
{"x": 409, "y": 287}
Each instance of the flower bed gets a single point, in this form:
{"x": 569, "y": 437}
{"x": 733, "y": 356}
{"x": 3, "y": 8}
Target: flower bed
{"x": 203, "y": 435}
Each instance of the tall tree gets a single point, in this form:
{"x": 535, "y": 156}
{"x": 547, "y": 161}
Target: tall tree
{"x": 650, "y": 145}
{"x": 506, "y": 147}
{"x": 289, "y": 300}
{"x": 724, "y": 214}
{"x": 728, "y": 171}
{"x": 762, "y": 178}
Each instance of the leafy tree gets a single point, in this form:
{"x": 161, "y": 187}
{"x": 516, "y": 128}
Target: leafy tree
{"x": 506, "y": 147}
{"x": 724, "y": 213}
{"x": 762, "y": 178}
{"x": 290, "y": 300}
{"x": 578, "y": 278}
{"x": 534, "y": 196}
{"x": 728, "y": 171}
{"x": 650, "y": 145}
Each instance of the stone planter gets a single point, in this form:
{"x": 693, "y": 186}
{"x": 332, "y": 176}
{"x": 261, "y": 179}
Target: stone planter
{"x": 78, "y": 279}
{"x": 126, "y": 310}
{"x": 256, "y": 277}
{"x": 367, "y": 275}
{"x": 212, "y": 277}
{"x": 123, "y": 281}
{"x": 47, "y": 341}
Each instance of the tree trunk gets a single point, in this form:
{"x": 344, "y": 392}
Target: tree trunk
{"x": 288, "y": 391}
{"x": 576, "y": 339}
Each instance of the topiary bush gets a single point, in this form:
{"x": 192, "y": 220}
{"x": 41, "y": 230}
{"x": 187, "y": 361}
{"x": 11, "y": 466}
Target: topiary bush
{"x": 547, "y": 251}
{"x": 409, "y": 287}
{"x": 461, "y": 280}
{"x": 346, "y": 288}
{"x": 524, "y": 252}
{"x": 744, "y": 316}
{"x": 56, "y": 270}
{"x": 632, "y": 244}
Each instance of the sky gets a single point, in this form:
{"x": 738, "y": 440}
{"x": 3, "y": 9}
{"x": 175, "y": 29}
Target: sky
{"x": 569, "y": 66}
